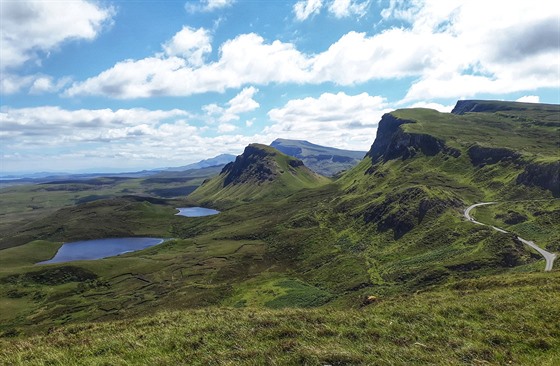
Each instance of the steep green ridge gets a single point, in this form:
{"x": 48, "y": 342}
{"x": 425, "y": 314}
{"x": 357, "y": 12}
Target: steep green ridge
{"x": 260, "y": 172}
{"x": 327, "y": 161}
{"x": 446, "y": 291}
{"x": 403, "y": 203}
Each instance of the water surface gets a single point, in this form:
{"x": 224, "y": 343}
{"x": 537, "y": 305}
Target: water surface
{"x": 196, "y": 211}
{"x": 100, "y": 248}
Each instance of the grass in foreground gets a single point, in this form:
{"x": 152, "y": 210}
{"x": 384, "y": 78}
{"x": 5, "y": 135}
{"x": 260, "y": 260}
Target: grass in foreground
{"x": 499, "y": 320}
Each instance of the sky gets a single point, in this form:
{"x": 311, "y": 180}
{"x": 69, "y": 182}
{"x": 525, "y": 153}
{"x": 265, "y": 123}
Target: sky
{"x": 142, "y": 84}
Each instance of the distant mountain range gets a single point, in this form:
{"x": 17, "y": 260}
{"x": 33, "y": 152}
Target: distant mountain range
{"x": 327, "y": 161}
{"x": 221, "y": 159}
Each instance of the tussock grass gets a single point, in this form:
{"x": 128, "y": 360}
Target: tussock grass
{"x": 493, "y": 320}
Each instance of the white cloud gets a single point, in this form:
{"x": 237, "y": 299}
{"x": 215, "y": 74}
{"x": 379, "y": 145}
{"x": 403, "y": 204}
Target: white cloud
{"x": 356, "y": 58}
{"x": 305, "y": 8}
{"x": 37, "y": 138}
{"x": 12, "y": 83}
{"x": 507, "y": 47}
{"x": 226, "y": 127}
{"x": 452, "y": 49}
{"x": 46, "y": 84}
{"x": 246, "y": 59}
{"x": 431, "y": 105}
{"x": 52, "y": 125}
{"x": 189, "y": 44}
{"x": 529, "y": 99}
{"x": 339, "y": 120}
{"x": 241, "y": 103}
{"x": 208, "y": 5}
{"x": 30, "y": 27}
{"x": 345, "y": 8}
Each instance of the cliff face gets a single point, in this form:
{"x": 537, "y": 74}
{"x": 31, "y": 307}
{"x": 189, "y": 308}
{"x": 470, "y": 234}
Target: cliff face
{"x": 546, "y": 176}
{"x": 392, "y": 142}
{"x": 480, "y": 155}
{"x": 261, "y": 172}
{"x": 255, "y": 164}
{"x": 469, "y": 106}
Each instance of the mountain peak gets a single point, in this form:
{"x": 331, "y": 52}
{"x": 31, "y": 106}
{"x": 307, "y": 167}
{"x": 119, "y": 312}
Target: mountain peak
{"x": 327, "y": 161}
{"x": 259, "y": 172}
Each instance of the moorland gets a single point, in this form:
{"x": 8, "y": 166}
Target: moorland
{"x": 374, "y": 265}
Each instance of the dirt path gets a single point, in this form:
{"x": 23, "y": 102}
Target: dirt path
{"x": 549, "y": 257}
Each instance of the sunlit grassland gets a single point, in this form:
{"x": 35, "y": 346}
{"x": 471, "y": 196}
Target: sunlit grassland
{"x": 494, "y": 320}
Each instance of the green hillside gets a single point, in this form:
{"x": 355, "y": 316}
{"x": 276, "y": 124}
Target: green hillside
{"x": 379, "y": 266}
{"x": 260, "y": 172}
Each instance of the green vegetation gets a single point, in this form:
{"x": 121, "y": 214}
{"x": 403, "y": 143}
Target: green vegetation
{"x": 529, "y": 219}
{"x": 24, "y": 204}
{"x": 493, "y": 320}
{"x": 377, "y": 267}
{"x": 261, "y": 172}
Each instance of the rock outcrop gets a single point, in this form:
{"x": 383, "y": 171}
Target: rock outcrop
{"x": 252, "y": 165}
{"x": 393, "y": 143}
{"x": 546, "y": 176}
{"x": 481, "y": 155}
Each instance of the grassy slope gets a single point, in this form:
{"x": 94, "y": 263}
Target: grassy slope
{"x": 406, "y": 247}
{"x": 284, "y": 179}
{"x": 493, "y": 320}
{"x": 316, "y": 246}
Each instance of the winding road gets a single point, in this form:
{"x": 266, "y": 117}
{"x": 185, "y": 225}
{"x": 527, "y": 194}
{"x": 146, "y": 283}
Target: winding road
{"x": 549, "y": 257}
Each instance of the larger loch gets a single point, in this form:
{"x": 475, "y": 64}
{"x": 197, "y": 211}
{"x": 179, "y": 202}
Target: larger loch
{"x": 100, "y": 248}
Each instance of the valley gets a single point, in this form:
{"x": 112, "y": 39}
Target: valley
{"x": 379, "y": 263}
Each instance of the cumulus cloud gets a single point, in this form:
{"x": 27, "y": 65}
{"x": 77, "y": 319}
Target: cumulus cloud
{"x": 305, "y": 8}
{"x": 345, "y": 8}
{"x": 431, "y": 105}
{"x": 28, "y": 28}
{"x": 241, "y": 103}
{"x": 123, "y": 138}
{"x": 339, "y": 120}
{"x": 246, "y": 59}
{"x": 529, "y": 99}
{"x": 46, "y": 84}
{"x": 451, "y": 49}
{"x": 143, "y": 138}
{"x": 507, "y": 47}
{"x": 189, "y": 44}
{"x": 208, "y": 5}
{"x": 52, "y": 125}
{"x": 12, "y": 83}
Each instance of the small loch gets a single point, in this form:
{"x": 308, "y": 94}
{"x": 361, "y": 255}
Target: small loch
{"x": 196, "y": 211}
{"x": 100, "y": 248}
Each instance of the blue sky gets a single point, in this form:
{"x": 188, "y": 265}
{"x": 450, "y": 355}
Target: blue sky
{"x": 128, "y": 85}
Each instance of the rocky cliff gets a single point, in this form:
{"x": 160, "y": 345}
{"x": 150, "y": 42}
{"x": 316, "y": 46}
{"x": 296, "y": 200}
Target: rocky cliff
{"x": 255, "y": 164}
{"x": 392, "y": 142}
{"x": 546, "y": 176}
{"x": 260, "y": 172}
